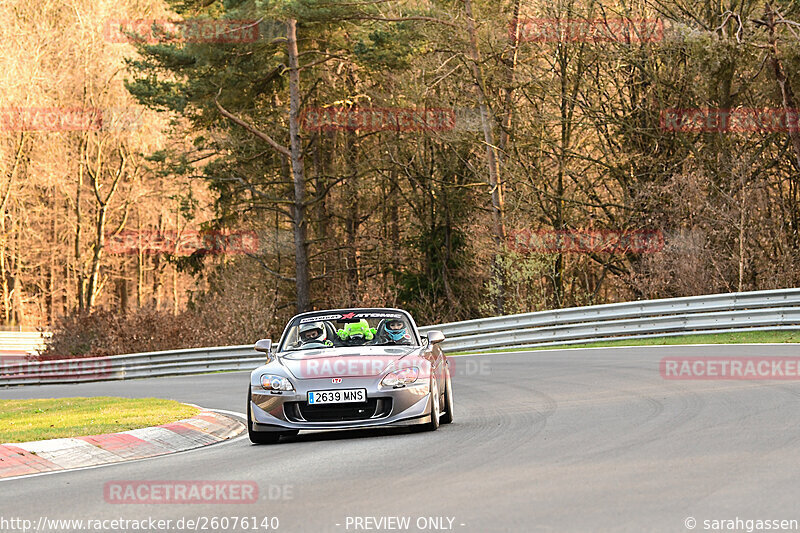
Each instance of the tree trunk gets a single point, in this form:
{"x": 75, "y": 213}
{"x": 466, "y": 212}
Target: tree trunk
{"x": 508, "y": 105}
{"x": 157, "y": 269}
{"x": 352, "y": 219}
{"x": 139, "y": 264}
{"x": 81, "y": 280}
{"x": 157, "y": 281}
{"x": 4, "y": 271}
{"x": 51, "y": 263}
{"x": 122, "y": 293}
{"x": 560, "y": 225}
{"x": 17, "y": 300}
{"x": 495, "y": 183}
{"x": 175, "y": 306}
{"x": 303, "y": 289}
{"x": 321, "y": 164}
{"x": 6, "y": 194}
{"x": 93, "y": 288}
{"x": 789, "y": 104}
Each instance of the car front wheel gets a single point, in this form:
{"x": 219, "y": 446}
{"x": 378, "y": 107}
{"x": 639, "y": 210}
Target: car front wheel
{"x": 259, "y": 437}
{"x": 435, "y": 411}
{"x": 447, "y": 417}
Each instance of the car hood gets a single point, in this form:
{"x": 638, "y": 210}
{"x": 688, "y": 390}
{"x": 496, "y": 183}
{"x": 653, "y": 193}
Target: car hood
{"x": 344, "y": 362}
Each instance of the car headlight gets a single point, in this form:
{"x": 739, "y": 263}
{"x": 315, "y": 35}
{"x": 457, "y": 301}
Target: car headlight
{"x": 401, "y": 378}
{"x": 276, "y": 383}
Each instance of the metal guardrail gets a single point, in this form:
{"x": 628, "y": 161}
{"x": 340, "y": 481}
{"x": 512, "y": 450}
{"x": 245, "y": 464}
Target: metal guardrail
{"x": 19, "y": 371}
{"x": 751, "y": 311}
{"x": 618, "y": 311}
{"x": 22, "y": 341}
{"x": 716, "y": 313}
{"x": 23, "y": 329}
{"x": 640, "y": 327}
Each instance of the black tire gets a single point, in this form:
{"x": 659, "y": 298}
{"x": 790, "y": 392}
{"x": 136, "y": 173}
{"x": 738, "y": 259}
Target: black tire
{"x": 433, "y": 425}
{"x": 259, "y": 437}
{"x": 447, "y": 417}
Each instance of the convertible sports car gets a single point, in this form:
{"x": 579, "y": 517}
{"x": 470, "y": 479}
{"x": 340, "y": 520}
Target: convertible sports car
{"x": 349, "y": 368}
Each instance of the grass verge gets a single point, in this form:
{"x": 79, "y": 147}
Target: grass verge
{"x": 41, "y": 419}
{"x": 743, "y": 337}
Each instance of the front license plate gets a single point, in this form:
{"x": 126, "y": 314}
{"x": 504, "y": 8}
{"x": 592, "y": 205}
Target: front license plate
{"x": 337, "y": 396}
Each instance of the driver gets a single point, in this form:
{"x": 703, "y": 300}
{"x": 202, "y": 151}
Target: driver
{"x": 395, "y": 332}
{"x": 313, "y": 333}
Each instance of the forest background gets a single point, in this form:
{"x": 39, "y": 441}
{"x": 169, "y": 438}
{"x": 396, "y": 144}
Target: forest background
{"x": 178, "y": 173}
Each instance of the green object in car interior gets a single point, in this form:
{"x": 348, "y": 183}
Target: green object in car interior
{"x": 357, "y": 328}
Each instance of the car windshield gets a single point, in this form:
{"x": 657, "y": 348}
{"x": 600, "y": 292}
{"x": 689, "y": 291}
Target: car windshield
{"x": 351, "y": 328}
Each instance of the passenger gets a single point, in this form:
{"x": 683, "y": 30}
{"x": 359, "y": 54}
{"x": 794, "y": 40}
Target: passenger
{"x": 394, "y": 331}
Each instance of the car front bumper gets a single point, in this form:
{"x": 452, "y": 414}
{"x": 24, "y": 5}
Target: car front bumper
{"x": 405, "y": 406}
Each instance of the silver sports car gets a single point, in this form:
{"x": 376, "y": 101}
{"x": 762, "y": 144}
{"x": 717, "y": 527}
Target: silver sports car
{"x": 349, "y": 368}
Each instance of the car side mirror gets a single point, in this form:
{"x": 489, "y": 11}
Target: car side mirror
{"x": 435, "y": 337}
{"x": 264, "y": 345}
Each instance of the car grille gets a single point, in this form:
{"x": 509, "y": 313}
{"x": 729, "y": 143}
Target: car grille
{"x": 344, "y": 412}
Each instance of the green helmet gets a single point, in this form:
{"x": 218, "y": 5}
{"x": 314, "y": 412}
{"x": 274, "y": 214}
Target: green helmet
{"x": 357, "y": 331}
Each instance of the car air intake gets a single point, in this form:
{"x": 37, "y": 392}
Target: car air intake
{"x": 373, "y": 408}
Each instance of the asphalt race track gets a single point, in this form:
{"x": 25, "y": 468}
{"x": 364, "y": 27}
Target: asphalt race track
{"x": 571, "y": 440}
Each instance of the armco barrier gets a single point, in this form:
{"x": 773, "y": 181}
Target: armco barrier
{"x": 22, "y": 341}
{"x": 751, "y": 311}
{"x": 16, "y": 371}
